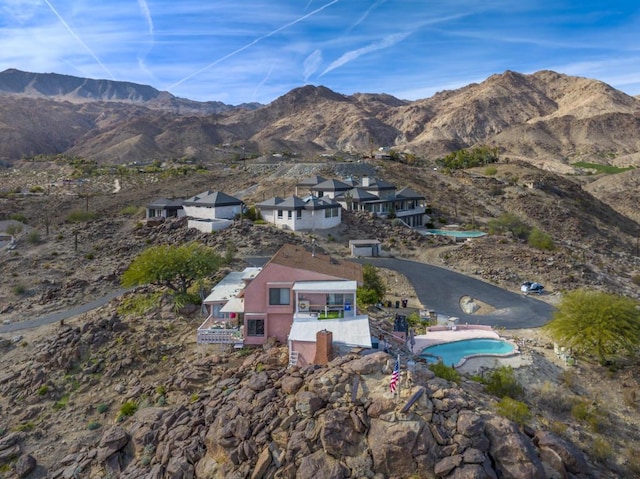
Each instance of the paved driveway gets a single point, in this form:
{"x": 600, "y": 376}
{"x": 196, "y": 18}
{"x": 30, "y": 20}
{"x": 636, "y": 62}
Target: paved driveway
{"x": 440, "y": 289}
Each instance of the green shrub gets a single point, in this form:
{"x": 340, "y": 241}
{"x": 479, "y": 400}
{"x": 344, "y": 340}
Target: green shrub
{"x": 33, "y": 238}
{"x": 516, "y": 411}
{"x": 18, "y": 217}
{"x": 19, "y": 289}
{"x": 502, "y": 383}
{"x": 89, "y": 256}
{"x": 508, "y": 222}
{"x": 43, "y": 390}
{"x": 129, "y": 408}
{"x": 81, "y": 216}
{"x": 635, "y": 279}
{"x": 540, "y": 240}
{"x": 61, "y": 403}
{"x": 102, "y": 408}
{"x": 601, "y": 449}
{"x": 13, "y": 230}
{"x": 445, "y": 372}
{"x": 491, "y": 171}
{"x": 132, "y": 210}
{"x": 138, "y": 304}
{"x": 93, "y": 425}
{"x": 161, "y": 390}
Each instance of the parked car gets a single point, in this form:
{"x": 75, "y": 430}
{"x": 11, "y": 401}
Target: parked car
{"x": 531, "y": 287}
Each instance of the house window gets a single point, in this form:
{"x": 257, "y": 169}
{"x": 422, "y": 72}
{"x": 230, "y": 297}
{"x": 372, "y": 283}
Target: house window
{"x": 335, "y": 299}
{"x": 279, "y": 296}
{"x": 298, "y": 214}
{"x": 289, "y": 214}
{"x": 331, "y": 212}
{"x": 255, "y": 327}
{"x": 279, "y": 214}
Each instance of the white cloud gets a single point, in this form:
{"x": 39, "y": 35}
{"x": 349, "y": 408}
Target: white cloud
{"x": 312, "y": 63}
{"x": 386, "y": 42}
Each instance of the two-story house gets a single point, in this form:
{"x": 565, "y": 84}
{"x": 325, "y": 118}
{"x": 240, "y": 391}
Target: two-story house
{"x": 375, "y": 196}
{"x": 211, "y": 211}
{"x": 299, "y": 293}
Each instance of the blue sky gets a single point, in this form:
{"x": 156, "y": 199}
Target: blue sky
{"x": 238, "y": 51}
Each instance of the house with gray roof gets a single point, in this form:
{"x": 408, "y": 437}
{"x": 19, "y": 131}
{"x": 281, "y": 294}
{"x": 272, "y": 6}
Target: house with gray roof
{"x": 212, "y": 210}
{"x": 162, "y": 208}
{"x": 295, "y": 213}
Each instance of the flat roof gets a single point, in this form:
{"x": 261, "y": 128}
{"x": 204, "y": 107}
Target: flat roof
{"x": 325, "y": 286}
{"x": 234, "y": 305}
{"x": 351, "y": 332}
{"x": 231, "y": 285}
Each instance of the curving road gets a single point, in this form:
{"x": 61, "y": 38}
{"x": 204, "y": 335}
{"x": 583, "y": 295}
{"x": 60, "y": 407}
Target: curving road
{"x": 55, "y": 317}
{"x": 440, "y": 289}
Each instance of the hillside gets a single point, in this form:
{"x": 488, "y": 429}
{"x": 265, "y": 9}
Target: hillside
{"x": 545, "y": 118}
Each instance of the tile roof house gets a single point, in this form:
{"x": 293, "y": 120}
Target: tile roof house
{"x": 297, "y": 214}
{"x": 298, "y": 293}
{"x": 211, "y": 211}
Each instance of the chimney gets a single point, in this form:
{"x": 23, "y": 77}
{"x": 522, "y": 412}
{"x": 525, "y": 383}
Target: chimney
{"x": 366, "y": 182}
{"x": 324, "y": 347}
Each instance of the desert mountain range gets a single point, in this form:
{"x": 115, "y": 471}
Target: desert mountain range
{"x": 544, "y": 118}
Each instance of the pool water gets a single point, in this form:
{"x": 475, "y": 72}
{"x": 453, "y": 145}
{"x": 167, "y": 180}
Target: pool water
{"x": 451, "y": 353}
{"x": 457, "y": 234}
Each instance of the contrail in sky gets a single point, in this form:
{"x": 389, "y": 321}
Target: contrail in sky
{"x": 144, "y": 7}
{"x": 250, "y": 44}
{"x": 79, "y": 39}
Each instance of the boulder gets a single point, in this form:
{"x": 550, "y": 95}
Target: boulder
{"x": 291, "y": 385}
{"x": 391, "y": 444}
{"x": 308, "y": 403}
{"x": 338, "y": 435}
{"x": 24, "y": 465}
{"x": 571, "y": 456}
{"x": 113, "y": 440}
{"x": 513, "y": 453}
{"x": 321, "y": 465}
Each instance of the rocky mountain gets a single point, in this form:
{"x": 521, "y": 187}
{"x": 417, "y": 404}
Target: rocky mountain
{"x": 545, "y": 118}
{"x": 73, "y": 89}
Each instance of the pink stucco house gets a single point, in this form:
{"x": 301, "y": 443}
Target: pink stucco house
{"x": 299, "y": 293}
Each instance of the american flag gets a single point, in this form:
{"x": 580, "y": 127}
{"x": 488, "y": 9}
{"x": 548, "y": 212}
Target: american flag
{"x": 395, "y": 376}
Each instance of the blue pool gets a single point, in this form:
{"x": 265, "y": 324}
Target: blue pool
{"x": 457, "y": 234}
{"x": 452, "y": 353}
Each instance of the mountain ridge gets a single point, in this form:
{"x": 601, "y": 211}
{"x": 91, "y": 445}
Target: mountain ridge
{"x": 544, "y": 116}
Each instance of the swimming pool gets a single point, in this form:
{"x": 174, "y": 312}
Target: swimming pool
{"x": 457, "y": 234}
{"x": 452, "y": 353}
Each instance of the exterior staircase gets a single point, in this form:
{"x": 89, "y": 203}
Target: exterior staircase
{"x": 293, "y": 358}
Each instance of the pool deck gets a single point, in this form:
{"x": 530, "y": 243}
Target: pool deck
{"x": 449, "y": 335}
{"x": 472, "y": 364}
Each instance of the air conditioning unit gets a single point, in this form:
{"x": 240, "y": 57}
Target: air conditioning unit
{"x": 303, "y": 306}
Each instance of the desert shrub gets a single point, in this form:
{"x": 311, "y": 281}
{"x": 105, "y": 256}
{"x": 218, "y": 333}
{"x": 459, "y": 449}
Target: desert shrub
{"x": 508, "y": 222}
{"x": 632, "y": 459}
{"x": 102, "y": 408}
{"x": 635, "y": 279}
{"x": 554, "y": 398}
{"x": 589, "y": 413}
{"x": 513, "y": 410}
{"x": 540, "y": 240}
{"x": 61, "y": 403}
{"x": 93, "y": 425}
{"x": 491, "y": 171}
{"x": 194, "y": 397}
{"x": 129, "y": 408}
{"x": 19, "y": 289}
{"x": 502, "y": 383}
{"x": 89, "y": 256}
{"x": 18, "y": 217}
{"x": 181, "y": 300}
{"x": 445, "y": 372}
{"x": 81, "y": 216}
{"x": 600, "y": 449}
{"x": 161, "y": 390}
{"x": 43, "y": 390}
{"x": 260, "y": 222}
{"x": 13, "y": 230}
{"x": 132, "y": 211}
{"x": 496, "y": 190}
{"x": 33, "y": 237}
{"x": 138, "y": 304}
{"x": 558, "y": 428}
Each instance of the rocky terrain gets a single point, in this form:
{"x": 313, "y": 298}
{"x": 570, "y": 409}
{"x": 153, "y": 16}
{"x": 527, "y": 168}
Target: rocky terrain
{"x": 208, "y": 413}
